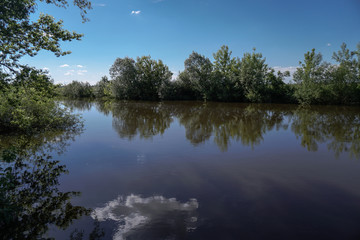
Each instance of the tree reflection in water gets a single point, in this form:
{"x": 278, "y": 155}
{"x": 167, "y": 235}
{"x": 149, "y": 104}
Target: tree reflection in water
{"x": 338, "y": 127}
{"x": 30, "y": 201}
{"x": 145, "y": 119}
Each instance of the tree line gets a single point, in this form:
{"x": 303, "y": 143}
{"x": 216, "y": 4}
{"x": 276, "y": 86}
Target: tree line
{"x": 230, "y": 79}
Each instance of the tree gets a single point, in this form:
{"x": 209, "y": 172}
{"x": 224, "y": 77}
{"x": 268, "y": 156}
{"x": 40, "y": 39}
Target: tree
{"x": 20, "y": 35}
{"x": 77, "y": 89}
{"x": 145, "y": 79}
{"x": 27, "y": 105}
{"x": 253, "y": 74}
{"x": 198, "y": 69}
{"x": 101, "y": 89}
{"x": 152, "y": 78}
{"x": 276, "y": 89}
{"x": 26, "y": 94}
{"x": 123, "y": 74}
{"x": 345, "y": 76}
{"x": 308, "y": 78}
{"x": 225, "y": 75}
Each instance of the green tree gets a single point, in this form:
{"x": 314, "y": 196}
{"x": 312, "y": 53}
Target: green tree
{"x": 102, "y": 88}
{"x": 77, "y": 89}
{"x": 145, "y": 79}
{"x": 309, "y": 77}
{"x": 27, "y": 105}
{"x": 225, "y": 75}
{"x": 26, "y": 94}
{"x": 123, "y": 75}
{"x": 20, "y": 35}
{"x": 181, "y": 89}
{"x": 253, "y": 74}
{"x": 198, "y": 70}
{"x": 344, "y": 77}
{"x": 152, "y": 78}
{"x": 276, "y": 89}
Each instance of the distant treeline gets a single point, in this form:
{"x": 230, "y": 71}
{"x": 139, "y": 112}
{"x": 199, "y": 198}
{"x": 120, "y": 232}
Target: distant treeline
{"x": 227, "y": 78}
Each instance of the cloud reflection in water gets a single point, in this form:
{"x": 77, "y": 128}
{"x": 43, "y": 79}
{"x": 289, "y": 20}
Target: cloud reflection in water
{"x": 155, "y": 216}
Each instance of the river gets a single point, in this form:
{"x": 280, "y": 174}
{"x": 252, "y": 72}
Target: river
{"x": 193, "y": 170}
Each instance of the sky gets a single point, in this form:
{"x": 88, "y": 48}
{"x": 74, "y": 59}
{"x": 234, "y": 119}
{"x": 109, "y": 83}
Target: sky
{"x": 282, "y": 30}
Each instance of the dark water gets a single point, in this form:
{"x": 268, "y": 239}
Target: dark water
{"x": 186, "y": 170}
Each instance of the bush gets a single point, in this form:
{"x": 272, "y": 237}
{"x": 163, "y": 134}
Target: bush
{"x": 27, "y": 105}
{"x": 102, "y": 88}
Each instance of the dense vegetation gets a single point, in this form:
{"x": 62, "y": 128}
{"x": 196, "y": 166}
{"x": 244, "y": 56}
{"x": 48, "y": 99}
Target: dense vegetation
{"x": 27, "y": 95}
{"x": 30, "y": 200}
{"x": 228, "y": 78}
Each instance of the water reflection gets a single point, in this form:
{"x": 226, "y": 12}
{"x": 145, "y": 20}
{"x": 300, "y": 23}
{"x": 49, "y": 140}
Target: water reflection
{"x": 79, "y": 105}
{"x": 337, "y": 127}
{"x": 154, "y": 217}
{"x": 30, "y": 201}
{"x": 244, "y": 123}
{"x": 144, "y": 119}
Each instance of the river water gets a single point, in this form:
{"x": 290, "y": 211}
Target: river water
{"x": 193, "y": 170}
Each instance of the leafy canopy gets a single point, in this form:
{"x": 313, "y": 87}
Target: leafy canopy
{"x": 20, "y": 36}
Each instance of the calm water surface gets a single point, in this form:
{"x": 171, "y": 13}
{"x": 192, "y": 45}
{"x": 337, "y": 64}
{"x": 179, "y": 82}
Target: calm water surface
{"x": 188, "y": 170}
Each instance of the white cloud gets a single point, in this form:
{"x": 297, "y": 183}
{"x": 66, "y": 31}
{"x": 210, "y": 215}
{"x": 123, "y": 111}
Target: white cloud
{"x": 291, "y": 69}
{"x": 100, "y": 4}
{"x": 45, "y": 69}
{"x": 175, "y": 75}
{"x": 81, "y": 72}
{"x": 135, "y": 12}
{"x": 79, "y": 66}
{"x": 69, "y": 73}
{"x": 64, "y": 65}
{"x": 329, "y": 44}
{"x": 134, "y": 212}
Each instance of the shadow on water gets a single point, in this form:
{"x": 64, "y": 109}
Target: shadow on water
{"x": 336, "y": 126}
{"x": 30, "y": 201}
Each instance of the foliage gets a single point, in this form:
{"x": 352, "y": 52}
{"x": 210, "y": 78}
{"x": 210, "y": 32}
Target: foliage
{"x": 309, "y": 77}
{"x": 228, "y": 78}
{"x": 123, "y": 74}
{"x": 27, "y": 95}
{"x": 20, "y": 35}
{"x": 181, "y": 89}
{"x": 197, "y": 74}
{"x": 225, "y": 75}
{"x": 77, "y": 89}
{"x": 102, "y": 88}
{"x": 152, "y": 77}
{"x": 145, "y": 79}
{"x": 344, "y": 78}
{"x": 27, "y": 105}
{"x": 276, "y": 89}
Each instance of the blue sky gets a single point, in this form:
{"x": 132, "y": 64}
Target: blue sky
{"x": 171, "y": 29}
